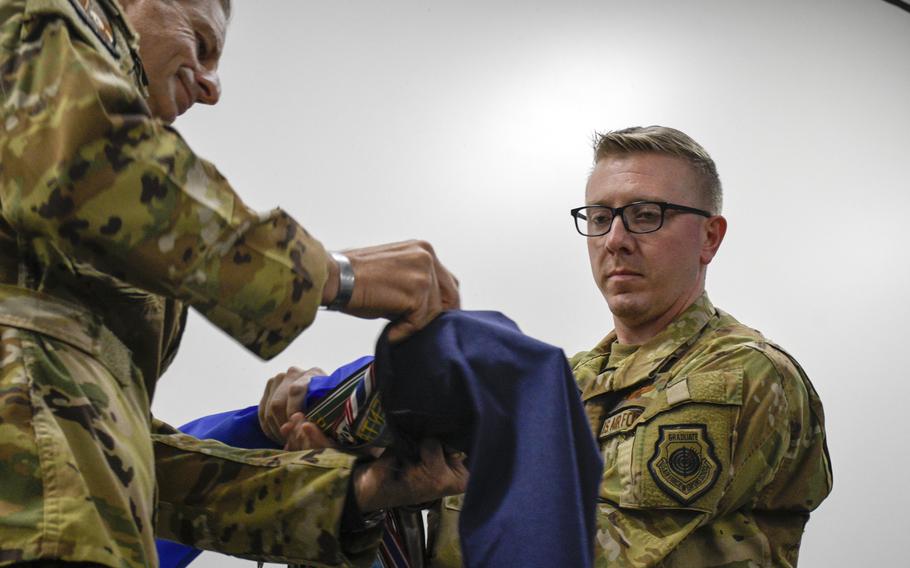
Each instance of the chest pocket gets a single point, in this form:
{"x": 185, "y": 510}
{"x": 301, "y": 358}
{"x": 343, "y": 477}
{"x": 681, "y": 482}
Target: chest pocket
{"x": 676, "y": 454}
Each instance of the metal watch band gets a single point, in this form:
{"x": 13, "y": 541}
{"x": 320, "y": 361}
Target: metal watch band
{"x": 345, "y": 282}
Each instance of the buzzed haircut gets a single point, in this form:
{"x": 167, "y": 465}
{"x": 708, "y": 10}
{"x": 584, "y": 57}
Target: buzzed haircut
{"x": 669, "y": 142}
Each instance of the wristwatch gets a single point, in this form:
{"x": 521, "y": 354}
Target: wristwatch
{"x": 345, "y": 282}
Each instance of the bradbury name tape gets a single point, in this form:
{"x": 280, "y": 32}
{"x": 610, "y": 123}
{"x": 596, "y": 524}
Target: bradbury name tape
{"x": 351, "y": 413}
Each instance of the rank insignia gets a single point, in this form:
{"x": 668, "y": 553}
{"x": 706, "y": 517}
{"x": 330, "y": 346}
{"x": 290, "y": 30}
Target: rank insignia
{"x": 684, "y": 465}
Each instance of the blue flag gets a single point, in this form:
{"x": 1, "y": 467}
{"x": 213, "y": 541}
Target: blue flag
{"x": 510, "y": 402}
{"x": 474, "y": 381}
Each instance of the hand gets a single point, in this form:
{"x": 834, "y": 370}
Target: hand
{"x": 404, "y": 282}
{"x": 387, "y": 482}
{"x": 284, "y": 395}
{"x": 299, "y": 434}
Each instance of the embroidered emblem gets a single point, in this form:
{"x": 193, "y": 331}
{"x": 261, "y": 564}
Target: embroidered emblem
{"x": 622, "y": 420}
{"x": 684, "y": 465}
{"x": 95, "y": 17}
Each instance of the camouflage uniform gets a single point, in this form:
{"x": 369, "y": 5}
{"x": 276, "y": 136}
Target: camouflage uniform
{"x": 713, "y": 443}
{"x": 109, "y": 225}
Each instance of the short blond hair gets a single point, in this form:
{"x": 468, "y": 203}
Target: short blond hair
{"x": 669, "y": 142}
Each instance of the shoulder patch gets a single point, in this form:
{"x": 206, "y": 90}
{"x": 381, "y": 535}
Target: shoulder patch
{"x": 97, "y": 19}
{"x": 684, "y": 465}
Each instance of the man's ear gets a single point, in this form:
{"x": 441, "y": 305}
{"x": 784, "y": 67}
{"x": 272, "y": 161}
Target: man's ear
{"x": 714, "y": 230}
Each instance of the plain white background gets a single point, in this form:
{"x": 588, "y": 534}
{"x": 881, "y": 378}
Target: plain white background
{"x": 469, "y": 123}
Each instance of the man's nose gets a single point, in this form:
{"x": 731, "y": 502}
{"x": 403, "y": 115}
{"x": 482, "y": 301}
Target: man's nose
{"x": 619, "y": 238}
{"x": 209, "y": 86}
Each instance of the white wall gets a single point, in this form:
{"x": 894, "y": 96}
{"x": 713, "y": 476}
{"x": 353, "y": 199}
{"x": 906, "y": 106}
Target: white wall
{"x": 468, "y": 124}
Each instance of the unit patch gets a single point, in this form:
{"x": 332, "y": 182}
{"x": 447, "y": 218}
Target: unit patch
{"x": 684, "y": 464}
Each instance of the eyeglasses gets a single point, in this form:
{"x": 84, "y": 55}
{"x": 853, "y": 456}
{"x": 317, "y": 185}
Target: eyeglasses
{"x": 639, "y": 217}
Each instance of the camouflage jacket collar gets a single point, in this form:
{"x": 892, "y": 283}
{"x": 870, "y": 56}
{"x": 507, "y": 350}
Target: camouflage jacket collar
{"x": 131, "y": 39}
{"x": 103, "y": 25}
{"x": 116, "y": 10}
{"x": 652, "y": 357}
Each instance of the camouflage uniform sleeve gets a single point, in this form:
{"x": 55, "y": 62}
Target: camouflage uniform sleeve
{"x": 261, "y": 504}
{"x": 90, "y": 176}
{"x": 443, "y": 540}
{"x": 752, "y": 417}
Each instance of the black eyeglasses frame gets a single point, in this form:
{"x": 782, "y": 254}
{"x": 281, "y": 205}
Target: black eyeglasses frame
{"x": 576, "y": 214}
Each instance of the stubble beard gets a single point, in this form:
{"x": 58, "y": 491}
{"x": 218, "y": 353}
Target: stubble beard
{"x": 627, "y": 305}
